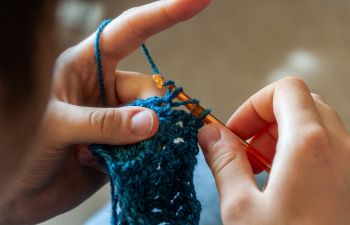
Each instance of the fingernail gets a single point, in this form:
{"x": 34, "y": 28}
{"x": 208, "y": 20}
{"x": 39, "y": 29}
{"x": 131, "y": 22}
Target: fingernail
{"x": 142, "y": 123}
{"x": 208, "y": 136}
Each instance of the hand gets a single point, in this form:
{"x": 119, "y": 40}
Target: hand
{"x": 310, "y": 178}
{"x": 59, "y": 172}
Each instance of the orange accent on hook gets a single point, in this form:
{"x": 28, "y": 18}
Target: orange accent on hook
{"x": 254, "y": 156}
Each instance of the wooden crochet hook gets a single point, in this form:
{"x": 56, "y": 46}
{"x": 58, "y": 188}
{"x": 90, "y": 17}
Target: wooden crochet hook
{"x": 196, "y": 110}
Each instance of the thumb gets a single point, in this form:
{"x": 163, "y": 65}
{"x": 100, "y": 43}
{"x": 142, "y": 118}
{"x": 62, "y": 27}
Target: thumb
{"x": 114, "y": 126}
{"x": 228, "y": 162}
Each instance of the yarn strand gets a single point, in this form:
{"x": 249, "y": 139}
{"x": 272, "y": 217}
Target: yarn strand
{"x": 149, "y": 58}
{"x": 99, "y": 62}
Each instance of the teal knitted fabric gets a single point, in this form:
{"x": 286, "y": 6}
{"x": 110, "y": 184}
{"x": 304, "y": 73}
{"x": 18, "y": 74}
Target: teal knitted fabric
{"x": 152, "y": 181}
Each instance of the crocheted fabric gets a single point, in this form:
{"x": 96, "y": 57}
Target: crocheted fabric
{"x": 152, "y": 181}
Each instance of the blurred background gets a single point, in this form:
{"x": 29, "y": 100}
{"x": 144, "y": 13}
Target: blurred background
{"x": 230, "y": 51}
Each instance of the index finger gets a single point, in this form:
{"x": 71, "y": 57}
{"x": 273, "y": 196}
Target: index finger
{"x": 128, "y": 31}
{"x": 288, "y": 103}
{"x": 286, "y": 100}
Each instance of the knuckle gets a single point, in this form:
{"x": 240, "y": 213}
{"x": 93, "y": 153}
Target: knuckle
{"x": 133, "y": 25}
{"x": 130, "y": 11}
{"x": 315, "y": 140}
{"x": 317, "y": 97}
{"x": 296, "y": 81}
{"x": 315, "y": 133}
{"x": 106, "y": 121}
{"x": 94, "y": 120}
{"x": 222, "y": 157}
{"x": 65, "y": 59}
{"x": 233, "y": 209}
{"x": 113, "y": 123}
{"x": 167, "y": 16}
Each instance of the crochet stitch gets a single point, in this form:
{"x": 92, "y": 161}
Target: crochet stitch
{"x": 152, "y": 181}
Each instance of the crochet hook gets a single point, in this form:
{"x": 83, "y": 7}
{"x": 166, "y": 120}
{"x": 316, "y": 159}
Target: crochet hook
{"x": 198, "y": 111}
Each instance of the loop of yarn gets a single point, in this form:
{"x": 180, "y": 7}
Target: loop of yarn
{"x": 99, "y": 62}
{"x": 152, "y": 181}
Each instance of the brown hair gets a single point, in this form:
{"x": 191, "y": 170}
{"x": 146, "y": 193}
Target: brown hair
{"x": 20, "y": 20}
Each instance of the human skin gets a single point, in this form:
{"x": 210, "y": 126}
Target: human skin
{"x": 50, "y": 170}
{"x": 56, "y": 172}
{"x": 310, "y": 178}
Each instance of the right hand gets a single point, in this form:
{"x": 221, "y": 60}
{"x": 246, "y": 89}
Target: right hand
{"x": 310, "y": 178}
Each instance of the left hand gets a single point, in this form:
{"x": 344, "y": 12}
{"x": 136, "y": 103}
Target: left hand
{"x": 59, "y": 172}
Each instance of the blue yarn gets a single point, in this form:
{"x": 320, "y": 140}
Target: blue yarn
{"x": 152, "y": 181}
{"x": 149, "y": 58}
{"x": 170, "y": 82}
{"x": 99, "y": 62}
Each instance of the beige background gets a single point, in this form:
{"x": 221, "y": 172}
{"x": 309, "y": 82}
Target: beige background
{"x": 230, "y": 51}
